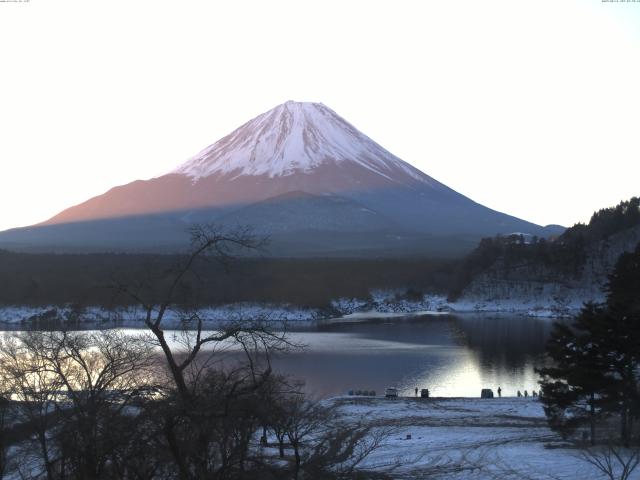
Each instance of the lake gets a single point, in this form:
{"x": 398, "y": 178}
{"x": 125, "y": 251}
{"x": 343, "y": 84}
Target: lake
{"x": 451, "y": 355}
{"x": 448, "y": 354}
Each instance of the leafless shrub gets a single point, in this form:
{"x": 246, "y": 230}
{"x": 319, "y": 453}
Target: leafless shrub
{"x": 615, "y": 462}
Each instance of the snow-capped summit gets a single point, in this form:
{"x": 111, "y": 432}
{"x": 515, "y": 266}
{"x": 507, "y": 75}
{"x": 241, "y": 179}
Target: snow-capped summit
{"x": 299, "y": 173}
{"x": 293, "y": 137}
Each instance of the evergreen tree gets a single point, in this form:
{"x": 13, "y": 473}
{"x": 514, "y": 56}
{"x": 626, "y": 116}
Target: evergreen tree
{"x": 622, "y": 339}
{"x": 596, "y": 361}
{"x": 572, "y": 388}
{"x": 623, "y": 289}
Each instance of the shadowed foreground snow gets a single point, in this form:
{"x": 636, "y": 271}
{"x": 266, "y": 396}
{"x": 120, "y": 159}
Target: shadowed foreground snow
{"x": 454, "y": 438}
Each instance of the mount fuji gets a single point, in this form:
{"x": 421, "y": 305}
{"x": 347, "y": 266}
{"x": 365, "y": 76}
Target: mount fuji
{"x": 299, "y": 173}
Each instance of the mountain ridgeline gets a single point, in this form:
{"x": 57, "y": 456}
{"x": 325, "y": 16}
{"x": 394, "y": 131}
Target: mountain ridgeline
{"x": 300, "y": 174}
{"x": 563, "y": 271}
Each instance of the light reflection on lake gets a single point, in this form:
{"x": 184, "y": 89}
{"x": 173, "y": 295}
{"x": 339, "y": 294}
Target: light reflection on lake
{"x": 450, "y": 355}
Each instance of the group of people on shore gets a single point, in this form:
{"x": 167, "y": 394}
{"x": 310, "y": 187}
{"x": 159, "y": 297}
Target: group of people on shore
{"x": 425, "y": 393}
{"x": 519, "y": 393}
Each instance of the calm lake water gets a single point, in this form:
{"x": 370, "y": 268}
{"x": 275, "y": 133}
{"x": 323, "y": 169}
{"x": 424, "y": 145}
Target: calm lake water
{"x": 450, "y": 355}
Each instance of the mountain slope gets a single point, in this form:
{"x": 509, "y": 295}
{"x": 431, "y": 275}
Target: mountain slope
{"x": 295, "y": 147}
{"x": 304, "y": 211}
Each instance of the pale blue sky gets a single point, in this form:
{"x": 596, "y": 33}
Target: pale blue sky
{"x": 529, "y": 107}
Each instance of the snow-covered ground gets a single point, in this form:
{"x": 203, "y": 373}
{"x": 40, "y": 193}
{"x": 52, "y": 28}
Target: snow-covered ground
{"x": 16, "y": 314}
{"x": 465, "y": 438}
{"x": 521, "y": 306}
{"x": 388, "y": 302}
{"x": 382, "y": 303}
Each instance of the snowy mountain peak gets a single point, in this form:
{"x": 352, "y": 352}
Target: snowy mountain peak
{"x": 291, "y": 138}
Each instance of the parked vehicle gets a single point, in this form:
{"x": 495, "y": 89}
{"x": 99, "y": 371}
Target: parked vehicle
{"x": 391, "y": 393}
{"x": 486, "y": 393}
{"x": 424, "y": 393}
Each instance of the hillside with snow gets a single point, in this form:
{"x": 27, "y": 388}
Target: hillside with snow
{"x": 298, "y": 173}
{"x": 550, "y": 278}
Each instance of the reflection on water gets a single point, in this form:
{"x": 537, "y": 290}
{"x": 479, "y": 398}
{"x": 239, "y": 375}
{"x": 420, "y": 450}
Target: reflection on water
{"x": 450, "y": 355}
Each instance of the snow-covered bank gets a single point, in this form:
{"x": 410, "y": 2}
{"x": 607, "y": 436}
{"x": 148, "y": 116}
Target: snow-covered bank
{"x": 551, "y": 308}
{"x": 466, "y": 438}
{"x": 390, "y": 302}
{"x": 393, "y": 302}
{"x": 135, "y": 316}
{"x": 381, "y": 304}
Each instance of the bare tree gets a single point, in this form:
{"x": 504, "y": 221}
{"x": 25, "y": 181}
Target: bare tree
{"x": 303, "y": 419}
{"x": 323, "y": 444}
{"x": 5, "y": 410}
{"x": 275, "y": 419}
{"x": 157, "y": 298}
{"x": 211, "y": 411}
{"x": 74, "y": 389}
{"x": 34, "y": 391}
{"x": 616, "y": 463}
{"x": 342, "y": 447}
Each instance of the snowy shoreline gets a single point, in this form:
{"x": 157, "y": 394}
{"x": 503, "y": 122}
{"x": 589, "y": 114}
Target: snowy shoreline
{"x": 465, "y": 438}
{"x": 380, "y": 305}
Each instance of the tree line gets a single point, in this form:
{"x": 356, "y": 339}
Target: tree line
{"x": 565, "y": 255}
{"x": 85, "y": 279}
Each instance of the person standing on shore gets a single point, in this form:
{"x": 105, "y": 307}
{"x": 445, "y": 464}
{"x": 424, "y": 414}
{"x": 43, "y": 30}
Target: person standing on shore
{"x": 499, "y": 392}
